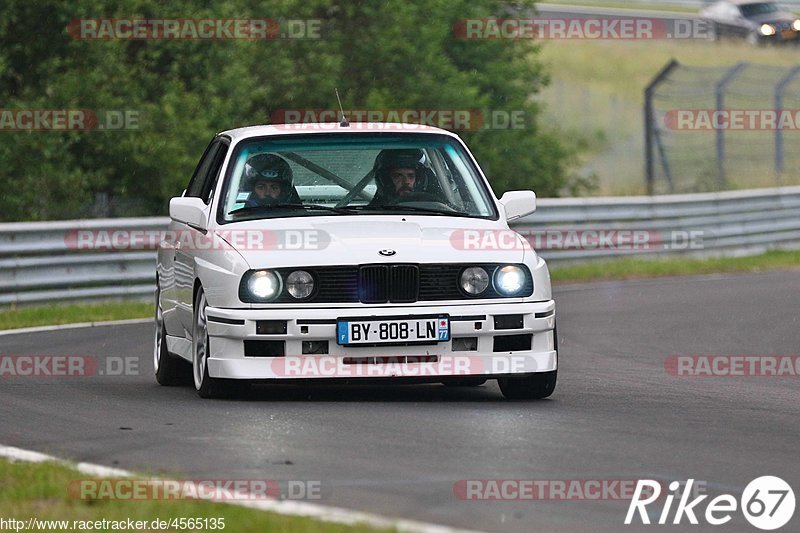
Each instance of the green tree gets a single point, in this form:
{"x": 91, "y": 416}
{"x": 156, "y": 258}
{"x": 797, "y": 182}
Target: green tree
{"x": 391, "y": 54}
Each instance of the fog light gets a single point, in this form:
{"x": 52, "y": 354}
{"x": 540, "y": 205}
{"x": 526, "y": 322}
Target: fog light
{"x": 315, "y": 347}
{"x": 465, "y": 344}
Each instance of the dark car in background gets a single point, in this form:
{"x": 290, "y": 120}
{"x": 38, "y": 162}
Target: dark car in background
{"x": 756, "y": 22}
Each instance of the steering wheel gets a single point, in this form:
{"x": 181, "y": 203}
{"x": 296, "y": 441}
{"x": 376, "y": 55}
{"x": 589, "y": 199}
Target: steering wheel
{"x": 425, "y": 199}
{"x": 418, "y": 196}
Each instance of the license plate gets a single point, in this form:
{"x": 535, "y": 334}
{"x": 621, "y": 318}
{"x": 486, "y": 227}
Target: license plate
{"x": 788, "y": 34}
{"x": 393, "y": 331}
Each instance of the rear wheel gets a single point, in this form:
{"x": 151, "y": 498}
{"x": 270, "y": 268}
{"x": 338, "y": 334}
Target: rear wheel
{"x": 169, "y": 369}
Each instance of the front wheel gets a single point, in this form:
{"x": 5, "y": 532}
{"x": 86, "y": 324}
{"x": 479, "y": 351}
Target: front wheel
{"x": 532, "y": 387}
{"x": 206, "y": 386}
{"x": 713, "y": 31}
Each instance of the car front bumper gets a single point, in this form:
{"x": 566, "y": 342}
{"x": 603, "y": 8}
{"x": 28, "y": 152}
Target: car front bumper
{"x": 522, "y": 342}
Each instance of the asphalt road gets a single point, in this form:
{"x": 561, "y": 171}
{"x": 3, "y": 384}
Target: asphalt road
{"x": 616, "y": 414}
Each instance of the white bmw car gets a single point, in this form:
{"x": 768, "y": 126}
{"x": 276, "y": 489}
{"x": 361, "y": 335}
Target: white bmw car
{"x": 350, "y": 252}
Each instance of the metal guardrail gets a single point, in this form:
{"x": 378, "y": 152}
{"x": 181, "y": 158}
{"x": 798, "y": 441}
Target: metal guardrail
{"x": 41, "y": 262}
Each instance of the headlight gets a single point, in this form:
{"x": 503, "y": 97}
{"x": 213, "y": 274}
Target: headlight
{"x": 509, "y": 280}
{"x": 796, "y": 25}
{"x": 474, "y": 280}
{"x": 767, "y": 29}
{"x": 261, "y": 285}
{"x": 300, "y": 284}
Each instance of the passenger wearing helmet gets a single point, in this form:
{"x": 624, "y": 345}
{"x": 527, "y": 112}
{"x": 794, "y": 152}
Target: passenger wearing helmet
{"x": 269, "y": 178}
{"x": 399, "y": 173}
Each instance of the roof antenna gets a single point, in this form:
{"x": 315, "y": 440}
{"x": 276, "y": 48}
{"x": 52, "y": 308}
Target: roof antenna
{"x": 343, "y": 123}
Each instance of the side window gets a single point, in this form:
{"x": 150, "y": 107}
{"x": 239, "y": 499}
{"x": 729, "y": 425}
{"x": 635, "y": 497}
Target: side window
{"x": 196, "y": 185}
{"x": 213, "y": 173}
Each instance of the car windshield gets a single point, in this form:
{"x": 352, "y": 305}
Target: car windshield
{"x": 317, "y": 175}
{"x": 761, "y": 8}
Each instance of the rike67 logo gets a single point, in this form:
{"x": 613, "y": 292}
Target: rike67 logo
{"x": 767, "y": 503}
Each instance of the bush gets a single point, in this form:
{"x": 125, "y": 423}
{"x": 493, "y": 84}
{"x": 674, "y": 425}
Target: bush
{"x": 380, "y": 55}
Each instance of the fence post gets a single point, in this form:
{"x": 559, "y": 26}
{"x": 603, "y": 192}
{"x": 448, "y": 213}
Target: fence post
{"x": 719, "y": 98}
{"x": 649, "y": 120}
{"x": 779, "y": 90}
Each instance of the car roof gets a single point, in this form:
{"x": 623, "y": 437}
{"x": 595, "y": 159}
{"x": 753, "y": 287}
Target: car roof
{"x": 331, "y": 127}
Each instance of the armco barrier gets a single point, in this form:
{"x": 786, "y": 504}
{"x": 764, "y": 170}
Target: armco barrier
{"x": 37, "y": 263}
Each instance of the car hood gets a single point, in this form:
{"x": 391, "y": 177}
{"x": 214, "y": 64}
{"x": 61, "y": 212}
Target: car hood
{"x": 773, "y": 18}
{"x": 310, "y": 241}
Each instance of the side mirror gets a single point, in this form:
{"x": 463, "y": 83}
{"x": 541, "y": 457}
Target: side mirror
{"x": 518, "y": 204}
{"x": 190, "y": 211}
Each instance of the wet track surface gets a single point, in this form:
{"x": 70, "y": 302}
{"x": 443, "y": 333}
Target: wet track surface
{"x": 617, "y": 414}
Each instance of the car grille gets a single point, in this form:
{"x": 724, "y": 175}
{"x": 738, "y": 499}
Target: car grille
{"x": 393, "y": 283}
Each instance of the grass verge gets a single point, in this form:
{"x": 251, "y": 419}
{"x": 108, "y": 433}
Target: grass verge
{"x": 596, "y": 271}
{"x": 40, "y": 491}
{"x": 48, "y": 315}
{"x": 596, "y": 96}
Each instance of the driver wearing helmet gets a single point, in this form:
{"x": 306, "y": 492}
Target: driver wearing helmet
{"x": 269, "y": 177}
{"x": 399, "y": 173}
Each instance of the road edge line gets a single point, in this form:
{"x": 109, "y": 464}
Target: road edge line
{"x": 322, "y": 513}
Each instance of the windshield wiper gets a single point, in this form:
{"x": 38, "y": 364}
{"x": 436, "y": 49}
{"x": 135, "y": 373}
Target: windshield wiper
{"x": 307, "y": 207}
{"x": 401, "y": 207}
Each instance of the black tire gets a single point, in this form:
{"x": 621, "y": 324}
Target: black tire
{"x": 169, "y": 369}
{"x": 206, "y": 386}
{"x": 532, "y": 386}
{"x": 713, "y": 31}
